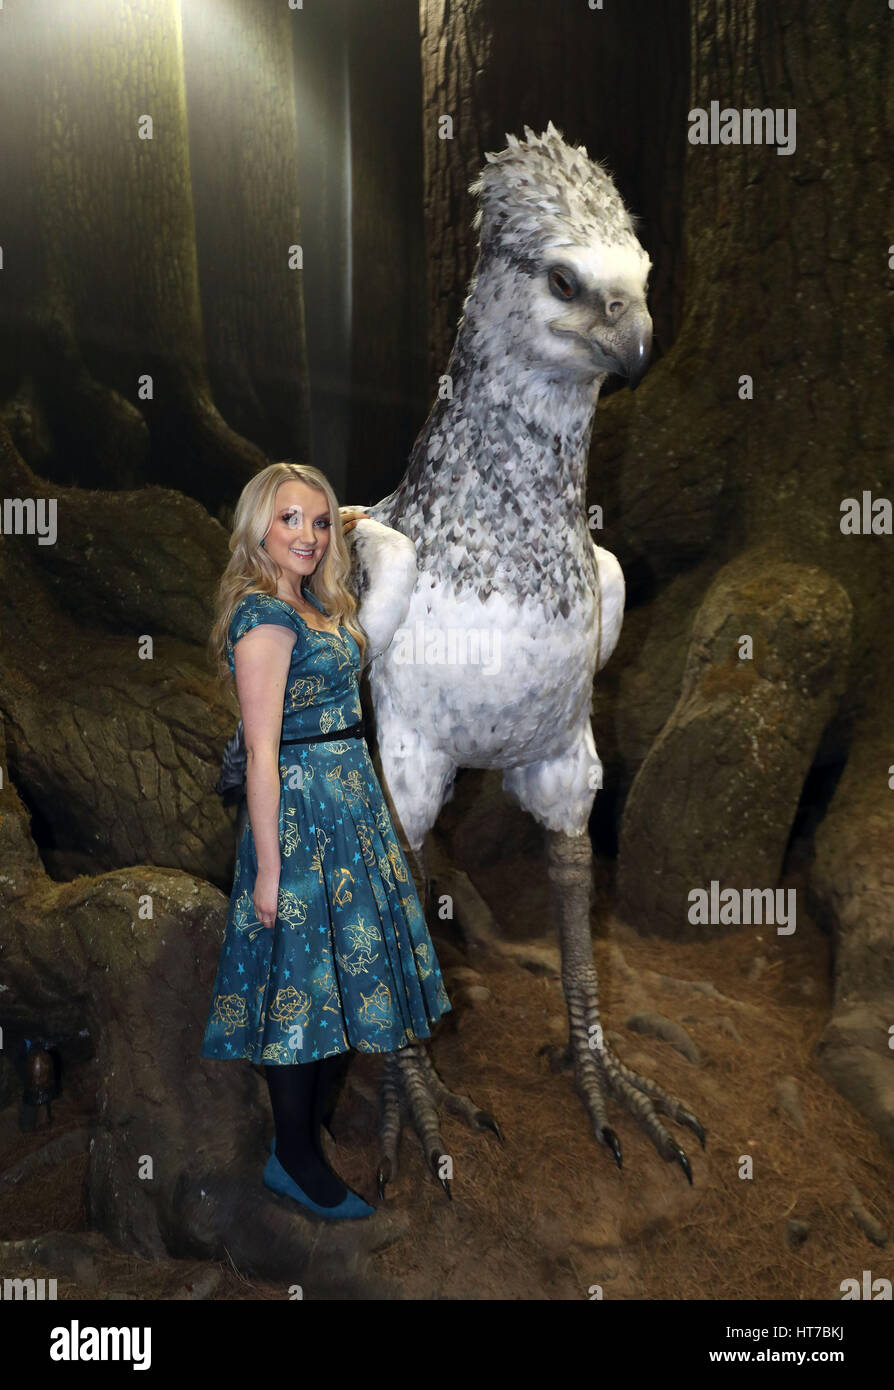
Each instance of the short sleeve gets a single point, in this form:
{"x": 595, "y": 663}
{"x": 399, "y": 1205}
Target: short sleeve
{"x": 251, "y": 611}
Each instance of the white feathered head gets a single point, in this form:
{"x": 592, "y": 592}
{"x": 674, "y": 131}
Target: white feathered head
{"x": 552, "y": 223}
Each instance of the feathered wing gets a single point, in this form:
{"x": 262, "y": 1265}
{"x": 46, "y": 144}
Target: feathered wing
{"x": 383, "y": 576}
{"x": 611, "y": 603}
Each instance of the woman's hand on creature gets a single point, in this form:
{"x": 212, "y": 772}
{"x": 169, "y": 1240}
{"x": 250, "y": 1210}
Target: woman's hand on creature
{"x": 350, "y": 516}
{"x": 266, "y": 896}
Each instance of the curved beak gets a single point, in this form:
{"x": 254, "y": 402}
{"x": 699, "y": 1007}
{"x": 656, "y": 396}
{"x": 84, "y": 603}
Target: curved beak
{"x": 635, "y": 346}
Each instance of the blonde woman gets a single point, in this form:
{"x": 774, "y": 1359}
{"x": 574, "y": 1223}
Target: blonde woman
{"x": 325, "y": 935}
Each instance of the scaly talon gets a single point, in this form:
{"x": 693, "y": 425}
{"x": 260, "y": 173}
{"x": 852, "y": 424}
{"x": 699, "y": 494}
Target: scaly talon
{"x": 434, "y": 1159}
{"x": 485, "y": 1120}
{"x": 679, "y": 1156}
{"x": 411, "y": 1087}
{"x": 686, "y": 1117}
{"x": 611, "y": 1139}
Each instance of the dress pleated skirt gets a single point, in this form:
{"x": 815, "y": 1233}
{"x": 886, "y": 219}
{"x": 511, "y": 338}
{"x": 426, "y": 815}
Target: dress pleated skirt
{"x": 349, "y": 962}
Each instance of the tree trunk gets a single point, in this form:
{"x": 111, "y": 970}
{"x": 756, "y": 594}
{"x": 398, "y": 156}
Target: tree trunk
{"x": 242, "y": 141}
{"x": 389, "y": 397}
{"x": 110, "y": 294}
{"x": 497, "y": 66}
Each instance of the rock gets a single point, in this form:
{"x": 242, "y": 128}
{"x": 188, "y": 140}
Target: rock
{"x": 657, "y": 1026}
{"x": 851, "y": 892}
{"x": 871, "y": 1228}
{"x": 852, "y": 1054}
{"x": 203, "y": 1285}
{"x": 744, "y": 733}
{"x": 476, "y": 995}
{"x": 461, "y": 975}
{"x": 789, "y": 1101}
{"x": 727, "y": 1026}
{"x": 61, "y": 1253}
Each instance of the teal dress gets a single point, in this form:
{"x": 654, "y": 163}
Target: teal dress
{"x": 349, "y": 962}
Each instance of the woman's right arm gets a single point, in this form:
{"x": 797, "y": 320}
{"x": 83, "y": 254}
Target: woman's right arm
{"x": 261, "y": 658}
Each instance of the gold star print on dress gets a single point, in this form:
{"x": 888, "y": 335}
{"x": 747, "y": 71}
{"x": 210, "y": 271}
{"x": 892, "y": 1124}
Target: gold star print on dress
{"x": 306, "y": 691}
{"x": 244, "y": 919}
{"x": 325, "y": 985}
{"x": 231, "y": 1012}
{"x": 316, "y": 862}
{"x": 290, "y": 1007}
{"x": 376, "y": 1008}
{"x": 341, "y": 886}
{"x": 396, "y": 860}
{"x": 348, "y": 785}
{"x": 363, "y": 936}
{"x": 364, "y": 835}
{"x": 290, "y": 836}
{"x": 291, "y": 909}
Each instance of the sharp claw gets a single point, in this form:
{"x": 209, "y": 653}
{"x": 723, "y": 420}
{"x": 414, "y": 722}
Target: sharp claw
{"x": 434, "y": 1159}
{"x": 485, "y": 1120}
{"x": 678, "y": 1156}
{"x": 687, "y": 1118}
{"x": 611, "y": 1139}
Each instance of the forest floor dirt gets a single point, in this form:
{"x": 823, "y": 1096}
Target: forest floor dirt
{"x": 548, "y": 1215}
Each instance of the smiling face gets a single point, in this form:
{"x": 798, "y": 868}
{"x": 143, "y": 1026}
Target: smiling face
{"x": 299, "y": 534}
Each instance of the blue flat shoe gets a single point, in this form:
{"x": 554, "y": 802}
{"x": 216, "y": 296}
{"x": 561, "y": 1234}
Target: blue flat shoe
{"x": 353, "y": 1208}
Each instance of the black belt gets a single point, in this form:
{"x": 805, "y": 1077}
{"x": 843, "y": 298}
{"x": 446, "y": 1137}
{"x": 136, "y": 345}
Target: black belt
{"x": 353, "y": 731}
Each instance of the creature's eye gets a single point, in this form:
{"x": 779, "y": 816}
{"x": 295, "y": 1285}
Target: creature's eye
{"x": 562, "y": 283}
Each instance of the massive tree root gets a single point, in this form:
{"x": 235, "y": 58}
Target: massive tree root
{"x": 716, "y": 797}
{"x": 852, "y": 887}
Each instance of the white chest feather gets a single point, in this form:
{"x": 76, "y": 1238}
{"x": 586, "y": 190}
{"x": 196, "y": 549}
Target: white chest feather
{"x": 493, "y": 683}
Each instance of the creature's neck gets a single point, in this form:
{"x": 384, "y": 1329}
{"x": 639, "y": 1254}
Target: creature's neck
{"x": 509, "y": 447}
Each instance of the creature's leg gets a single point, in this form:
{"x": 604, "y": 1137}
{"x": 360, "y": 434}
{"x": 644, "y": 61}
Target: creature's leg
{"x": 596, "y": 1068}
{"x": 414, "y": 802}
{"x": 415, "y": 780}
{"x": 410, "y": 1085}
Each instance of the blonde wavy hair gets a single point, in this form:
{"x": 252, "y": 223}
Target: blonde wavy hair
{"x": 251, "y": 570}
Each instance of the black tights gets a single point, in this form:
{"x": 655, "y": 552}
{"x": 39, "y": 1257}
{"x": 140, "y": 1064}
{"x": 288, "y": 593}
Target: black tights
{"x": 299, "y": 1095}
